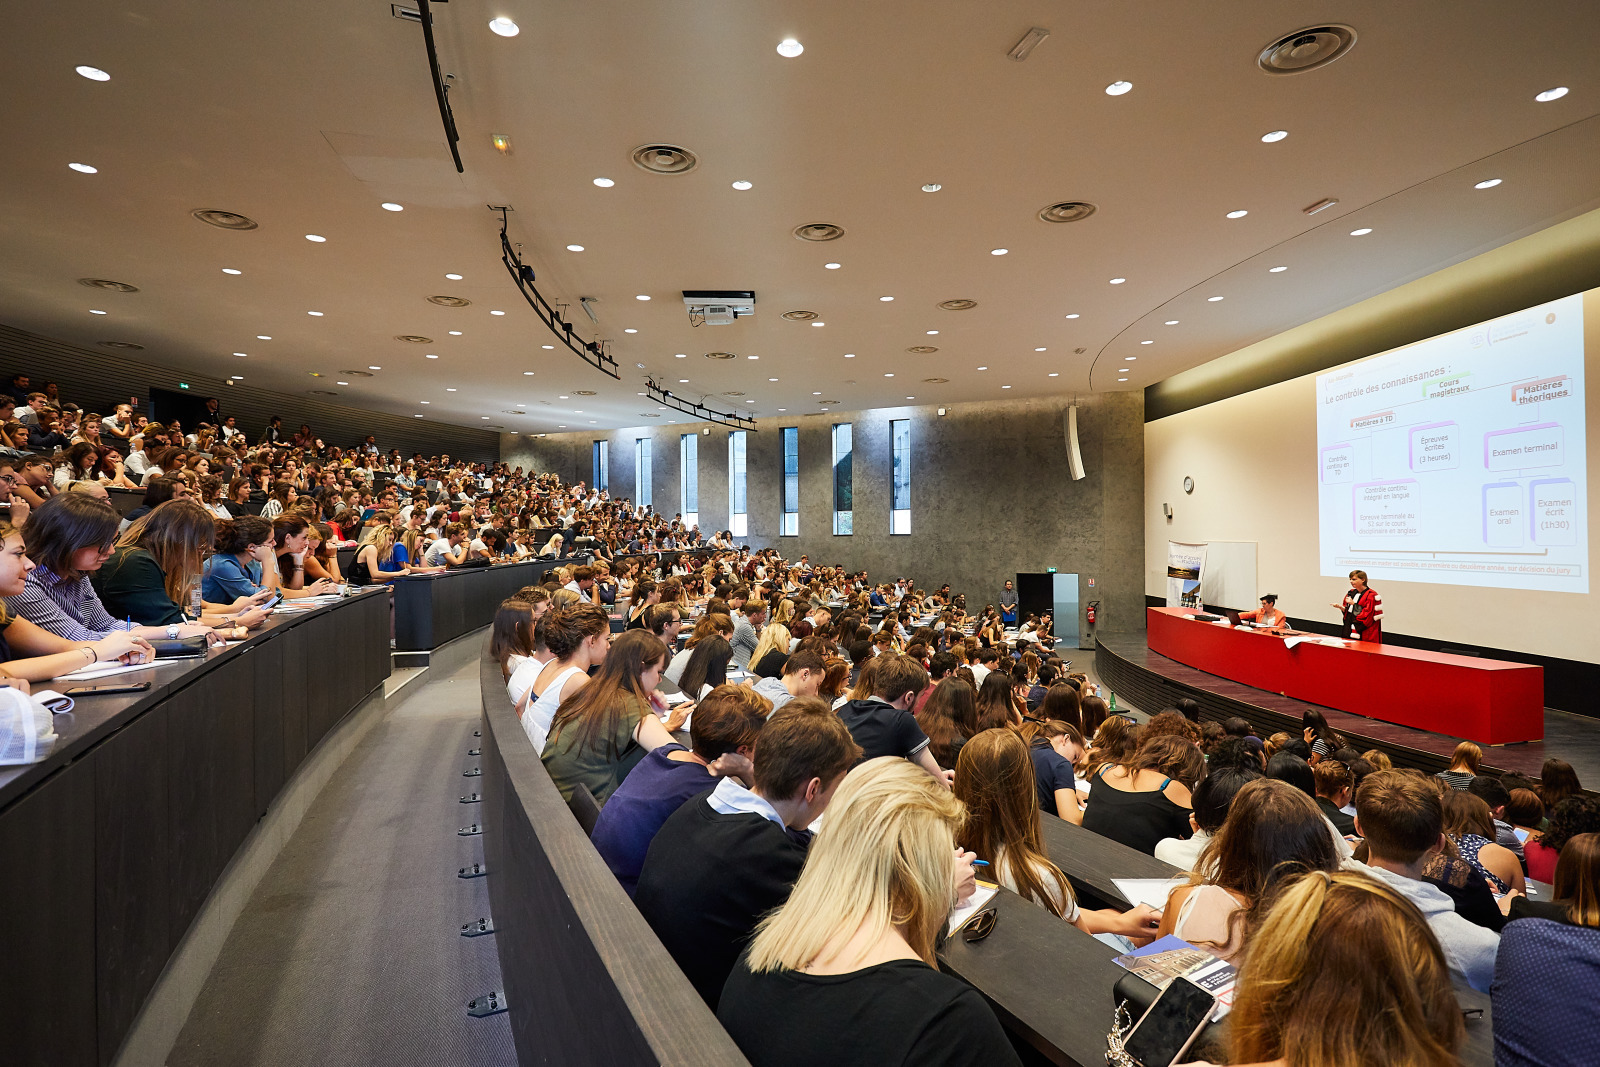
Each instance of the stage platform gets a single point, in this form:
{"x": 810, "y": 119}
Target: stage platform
{"x": 1152, "y": 682}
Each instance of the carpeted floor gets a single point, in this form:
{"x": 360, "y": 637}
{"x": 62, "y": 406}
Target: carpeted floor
{"x": 350, "y": 950}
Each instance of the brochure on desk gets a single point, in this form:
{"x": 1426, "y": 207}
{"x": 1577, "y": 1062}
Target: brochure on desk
{"x": 1170, "y": 957}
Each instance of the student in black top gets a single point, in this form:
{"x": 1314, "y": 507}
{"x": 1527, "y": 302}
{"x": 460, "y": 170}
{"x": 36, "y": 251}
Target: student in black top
{"x": 1334, "y": 789}
{"x": 882, "y": 724}
{"x": 1148, "y": 799}
{"x": 730, "y": 855}
{"x": 844, "y": 974}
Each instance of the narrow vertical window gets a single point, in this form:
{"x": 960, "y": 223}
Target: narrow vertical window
{"x": 689, "y": 479}
{"x": 900, "y": 486}
{"x": 790, "y": 526}
{"x": 738, "y": 516}
{"x": 602, "y": 466}
{"x": 641, "y": 472}
{"x": 843, "y": 481}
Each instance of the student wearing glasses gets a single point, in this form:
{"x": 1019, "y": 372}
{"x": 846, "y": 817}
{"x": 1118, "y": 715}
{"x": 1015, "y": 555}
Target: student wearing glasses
{"x": 69, "y": 538}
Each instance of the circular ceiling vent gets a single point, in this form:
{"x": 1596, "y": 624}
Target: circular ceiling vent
{"x": 720, "y": 355}
{"x": 413, "y": 339}
{"x": 121, "y": 346}
{"x": 664, "y": 159}
{"x": 449, "y": 301}
{"x": 922, "y": 350}
{"x": 585, "y": 392}
{"x": 357, "y": 373}
{"x": 106, "y": 283}
{"x": 819, "y": 231}
{"x": 1067, "y": 211}
{"x": 649, "y": 414}
{"x": 225, "y": 220}
{"x": 799, "y": 316}
{"x": 733, "y": 392}
{"x": 936, "y": 381}
{"x": 1307, "y": 49}
{"x": 958, "y": 305}
{"x": 322, "y": 392}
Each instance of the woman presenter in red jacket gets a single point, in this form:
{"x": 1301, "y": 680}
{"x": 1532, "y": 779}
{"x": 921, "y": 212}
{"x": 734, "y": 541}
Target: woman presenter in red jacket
{"x": 1363, "y": 610}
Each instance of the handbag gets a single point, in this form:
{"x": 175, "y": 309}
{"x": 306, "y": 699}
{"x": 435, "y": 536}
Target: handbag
{"x": 178, "y": 647}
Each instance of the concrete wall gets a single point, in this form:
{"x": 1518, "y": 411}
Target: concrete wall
{"x": 990, "y": 492}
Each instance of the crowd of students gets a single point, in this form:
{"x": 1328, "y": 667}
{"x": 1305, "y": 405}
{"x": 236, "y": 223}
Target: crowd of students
{"x": 799, "y": 853}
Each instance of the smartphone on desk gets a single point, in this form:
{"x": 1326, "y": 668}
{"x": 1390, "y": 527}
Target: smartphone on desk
{"x": 1165, "y": 1032}
{"x": 110, "y": 687}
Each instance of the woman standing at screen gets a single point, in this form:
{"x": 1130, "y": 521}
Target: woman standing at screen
{"x": 1363, "y": 610}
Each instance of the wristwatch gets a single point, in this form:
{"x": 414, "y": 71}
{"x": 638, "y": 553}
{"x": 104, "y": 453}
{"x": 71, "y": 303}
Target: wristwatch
{"x": 172, "y": 632}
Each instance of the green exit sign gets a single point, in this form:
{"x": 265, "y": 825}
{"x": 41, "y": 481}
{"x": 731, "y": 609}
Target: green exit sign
{"x": 1049, "y": 570}
{"x": 183, "y": 385}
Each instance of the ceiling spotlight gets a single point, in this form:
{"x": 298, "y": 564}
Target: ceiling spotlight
{"x": 932, "y": 187}
{"x": 680, "y": 355}
{"x": 888, "y": 375}
{"x": 849, "y": 355}
{"x": 772, "y": 379}
{"x": 1238, "y": 214}
{"x": 933, "y": 333}
{"x": 84, "y": 168}
{"x": 1275, "y": 136}
{"x": 1118, "y": 281}
{"x": 424, "y": 401}
{"x": 752, "y": 357}
{"x": 604, "y": 183}
{"x": 497, "y": 312}
{"x": 1147, "y": 342}
{"x": 548, "y": 347}
{"x": 832, "y": 266}
{"x": 1276, "y": 270}
{"x": 453, "y": 277}
{"x": 231, "y": 270}
{"x": 742, "y": 185}
{"x": 1551, "y": 94}
{"x": 242, "y": 354}
{"x": 315, "y": 314}
{"x": 341, "y": 383}
{"x": 983, "y": 368}
{"x": 263, "y": 337}
{"x": 1130, "y": 358}
{"x": 96, "y": 311}
{"x": 885, "y": 299}
{"x": 1362, "y": 232}
{"x": 392, "y": 207}
{"x": 238, "y": 377}
{"x": 455, "y": 333}
{"x": 94, "y": 74}
{"x": 788, "y": 48}
{"x": 1005, "y": 387}
{"x": 316, "y": 238}
{"x": 371, "y": 366}
{"x": 1074, "y": 315}
{"x": 527, "y": 374}
{"x": 449, "y": 388}
{"x": 998, "y": 251}
{"x": 1122, "y": 379}
{"x": 819, "y": 324}
{"x": 630, "y": 331}
{"x": 1487, "y": 183}
{"x": 685, "y": 381}
{"x": 504, "y": 27}
{"x": 641, "y": 296}
{"x": 1055, "y": 374}
{"x": 1212, "y": 299}
{"x": 430, "y": 355}
{"x": 1172, "y": 322}
{"x": 1038, "y": 350}
{"x": 1117, "y": 88}
{"x": 574, "y": 248}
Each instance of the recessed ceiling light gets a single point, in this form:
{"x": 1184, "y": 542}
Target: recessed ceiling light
{"x": 604, "y": 183}
{"x": 455, "y": 333}
{"x": 752, "y": 357}
{"x": 788, "y": 48}
{"x": 888, "y": 375}
{"x": 96, "y": 311}
{"x": 642, "y": 296}
{"x": 1117, "y": 88}
{"x": 983, "y": 368}
{"x": 231, "y": 270}
{"x": 849, "y": 355}
{"x": 1055, "y": 374}
{"x": 783, "y": 409}
{"x": 485, "y": 418}
{"x": 1118, "y": 281}
{"x": 1147, "y": 342}
{"x": 1239, "y": 214}
{"x": 1130, "y": 358}
{"x": 1122, "y": 379}
{"x": 680, "y": 355}
{"x": 416, "y": 416}
{"x": 819, "y": 324}
{"x": 547, "y": 346}
{"x": 772, "y": 379}
{"x": 371, "y": 366}
{"x": 742, "y": 185}
{"x": 1212, "y": 299}
{"x": 1361, "y": 232}
{"x": 1487, "y": 183}
{"x": 932, "y": 187}
{"x": 1276, "y": 270}
{"x": 504, "y": 27}
{"x": 563, "y": 398}
{"x": 243, "y": 354}
{"x": 424, "y": 401}
{"x": 574, "y": 248}
{"x": 561, "y": 426}
{"x": 94, "y": 74}
{"x": 84, "y": 168}
{"x": 430, "y": 355}
{"x": 341, "y": 383}
{"x": 1274, "y": 136}
{"x": 1005, "y": 387}
{"x": 685, "y": 381}
{"x": 392, "y": 207}
{"x": 316, "y": 238}
{"x": 315, "y": 314}
{"x": 1551, "y": 94}
{"x": 998, "y": 251}
{"x": 1073, "y": 315}
{"x": 449, "y": 388}
{"x": 885, "y": 299}
{"x": 497, "y": 312}
{"x": 630, "y": 331}
{"x": 832, "y": 266}
{"x": 453, "y": 277}
{"x": 263, "y": 337}
{"x": 933, "y": 333}
{"x": 910, "y": 398}
{"x": 527, "y": 374}
{"x": 1172, "y": 322}
{"x": 1038, "y": 350}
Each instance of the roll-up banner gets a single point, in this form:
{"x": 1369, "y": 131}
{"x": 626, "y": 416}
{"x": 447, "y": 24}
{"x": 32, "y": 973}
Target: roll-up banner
{"x": 1185, "y": 562}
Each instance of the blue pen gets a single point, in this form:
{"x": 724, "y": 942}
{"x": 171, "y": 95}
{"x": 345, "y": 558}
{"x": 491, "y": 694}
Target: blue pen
{"x": 980, "y": 863}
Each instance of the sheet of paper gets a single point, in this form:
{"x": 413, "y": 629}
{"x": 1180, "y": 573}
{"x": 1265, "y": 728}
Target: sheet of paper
{"x": 1151, "y": 891}
{"x": 101, "y": 670}
{"x": 961, "y": 914}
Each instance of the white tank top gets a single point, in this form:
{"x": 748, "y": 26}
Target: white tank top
{"x": 536, "y": 720}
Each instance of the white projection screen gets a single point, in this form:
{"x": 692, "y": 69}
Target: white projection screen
{"x": 1460, "y": 460}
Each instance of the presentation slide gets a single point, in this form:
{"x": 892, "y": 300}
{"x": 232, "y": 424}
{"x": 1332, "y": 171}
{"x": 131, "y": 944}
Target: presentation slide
{"x": 1460, "y": 460}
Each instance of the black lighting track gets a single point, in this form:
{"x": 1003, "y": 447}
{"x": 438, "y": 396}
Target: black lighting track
{"x": 440, "y": 89}
{"x": 591, "y": 352}
{"x": 699, "y": 411}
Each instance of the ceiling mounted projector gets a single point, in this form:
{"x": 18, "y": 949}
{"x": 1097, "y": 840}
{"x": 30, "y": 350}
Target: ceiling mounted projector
{"x": 718, "y": 307}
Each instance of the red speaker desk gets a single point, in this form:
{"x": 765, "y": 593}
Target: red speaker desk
{"x": 1488, "y": 701}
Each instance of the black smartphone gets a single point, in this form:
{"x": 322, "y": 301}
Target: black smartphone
{"x": 113, "y": 687}
{"x": 1166, "y": 1031}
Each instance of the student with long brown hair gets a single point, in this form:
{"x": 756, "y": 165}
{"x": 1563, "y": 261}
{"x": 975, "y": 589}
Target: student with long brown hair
{"x": 994, "y": 779}
{"x": 1272, "y": 830}
{"x": 949, "y": 719}
{"x": 1147, "y": 799}
{"x": 1343, "y": 970}
{"x": 511, "y": 635}
{"x": 997, "y": 704}
{"x": 577, "y": 637}
{"x": 157, "y": 559}
{"x": 711, "y": 623}
{"x": 604, "y": 728}
{"x": 1056, "y": 748}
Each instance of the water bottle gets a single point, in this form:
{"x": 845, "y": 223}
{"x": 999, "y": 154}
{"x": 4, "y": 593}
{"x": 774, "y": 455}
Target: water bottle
{"x": 196, "y": 608}
{"x": 1111, "y": 699}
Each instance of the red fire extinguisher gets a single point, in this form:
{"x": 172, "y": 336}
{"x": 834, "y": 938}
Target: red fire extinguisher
{"x": 1089, "y": 612}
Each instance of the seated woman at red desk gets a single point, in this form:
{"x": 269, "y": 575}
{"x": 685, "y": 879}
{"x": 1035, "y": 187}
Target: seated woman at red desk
{"x": 1362, "y": 609}
{"x": 1267, "y": 616}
